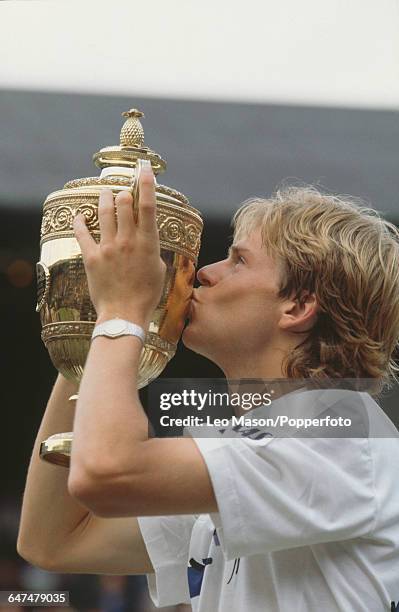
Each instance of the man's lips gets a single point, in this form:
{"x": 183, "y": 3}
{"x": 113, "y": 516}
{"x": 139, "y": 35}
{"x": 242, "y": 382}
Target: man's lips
{"x": 194, "y": 296}
{"x": 191, "y": 306}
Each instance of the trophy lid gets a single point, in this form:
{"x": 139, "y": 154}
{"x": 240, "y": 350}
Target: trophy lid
{"x": 131, "y": 147}
{"x": 119, "y": 163}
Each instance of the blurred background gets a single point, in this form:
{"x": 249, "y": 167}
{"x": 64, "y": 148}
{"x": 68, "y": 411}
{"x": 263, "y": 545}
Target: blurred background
{"x": 237, "y": 98}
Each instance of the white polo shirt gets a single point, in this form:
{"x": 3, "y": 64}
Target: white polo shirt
{"x": 304, "y": 523}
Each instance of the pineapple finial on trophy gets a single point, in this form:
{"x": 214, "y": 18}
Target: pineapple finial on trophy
{"x": 132, "y": 133}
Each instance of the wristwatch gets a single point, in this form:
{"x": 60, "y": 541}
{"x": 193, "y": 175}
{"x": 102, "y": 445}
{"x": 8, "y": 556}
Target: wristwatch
{"x": 114, "y": 328}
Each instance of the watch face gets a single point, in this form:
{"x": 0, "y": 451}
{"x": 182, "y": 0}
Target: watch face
{"x": 113, "y": 328}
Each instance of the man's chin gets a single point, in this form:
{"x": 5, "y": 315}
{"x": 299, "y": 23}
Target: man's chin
{"x": 188, "y": 336}
{"x": 193, "y": 339}
{"x": 186, "y": 333}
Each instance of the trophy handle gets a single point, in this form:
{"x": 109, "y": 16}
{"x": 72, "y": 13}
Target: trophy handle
{"x": 43, "y": 284}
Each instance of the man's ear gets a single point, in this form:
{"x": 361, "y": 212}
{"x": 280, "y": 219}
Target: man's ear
{"x": 299, "y": 314}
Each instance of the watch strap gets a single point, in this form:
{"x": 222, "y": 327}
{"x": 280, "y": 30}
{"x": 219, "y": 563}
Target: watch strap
{"x": 115, "y": 328}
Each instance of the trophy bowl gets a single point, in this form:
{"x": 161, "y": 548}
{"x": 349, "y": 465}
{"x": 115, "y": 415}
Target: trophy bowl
{"x": 66, "y": 312}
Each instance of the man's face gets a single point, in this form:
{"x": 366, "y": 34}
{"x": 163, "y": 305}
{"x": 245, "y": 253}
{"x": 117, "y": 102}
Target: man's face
{"x": 235, "y": 310}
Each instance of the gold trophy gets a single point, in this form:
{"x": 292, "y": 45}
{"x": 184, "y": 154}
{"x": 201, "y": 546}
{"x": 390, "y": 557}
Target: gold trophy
{"x": 66, "y": 312}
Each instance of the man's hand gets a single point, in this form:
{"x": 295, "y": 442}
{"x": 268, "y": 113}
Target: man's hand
{"x": 125, "y": 272}
{"x": 116, "y": 470}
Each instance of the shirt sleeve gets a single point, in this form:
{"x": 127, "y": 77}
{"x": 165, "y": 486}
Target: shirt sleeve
{"x": 289, "y": 492}
{"x": 167, "y": 539}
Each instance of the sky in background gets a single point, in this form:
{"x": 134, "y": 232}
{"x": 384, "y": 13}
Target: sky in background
{"x": 308, "y": 90}
{"x": 341, "y": 52}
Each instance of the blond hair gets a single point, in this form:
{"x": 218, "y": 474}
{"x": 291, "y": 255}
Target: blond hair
{"x": 348, "y": 256}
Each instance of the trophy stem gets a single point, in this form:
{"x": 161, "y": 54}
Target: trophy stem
{"x": 57, "y": 448}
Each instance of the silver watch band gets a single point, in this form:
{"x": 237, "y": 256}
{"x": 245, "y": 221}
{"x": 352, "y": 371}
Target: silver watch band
{"x": 115, "y": 328}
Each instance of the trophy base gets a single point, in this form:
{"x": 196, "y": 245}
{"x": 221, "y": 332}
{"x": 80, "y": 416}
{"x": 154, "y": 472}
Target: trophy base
{"x": 57, "y": 449}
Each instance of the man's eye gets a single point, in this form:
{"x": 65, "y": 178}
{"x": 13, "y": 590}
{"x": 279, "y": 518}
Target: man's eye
{"x": 236, "y": 257}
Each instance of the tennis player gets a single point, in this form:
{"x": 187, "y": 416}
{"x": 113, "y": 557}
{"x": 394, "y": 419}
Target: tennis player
{"x": 235, "y": 523}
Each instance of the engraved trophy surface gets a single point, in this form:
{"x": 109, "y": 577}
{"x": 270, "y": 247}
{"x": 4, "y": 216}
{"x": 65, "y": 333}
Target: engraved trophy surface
{"x": 66, "y": 312}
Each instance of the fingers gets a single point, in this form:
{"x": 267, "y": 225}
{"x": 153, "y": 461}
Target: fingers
{"x": 83, "y": 236}
{"x": 106, "y": 216}
{"x": 147, "y": 199}
{"x": 124, "y": 207}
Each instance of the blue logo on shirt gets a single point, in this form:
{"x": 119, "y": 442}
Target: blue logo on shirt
{"x": 195, "y": 575}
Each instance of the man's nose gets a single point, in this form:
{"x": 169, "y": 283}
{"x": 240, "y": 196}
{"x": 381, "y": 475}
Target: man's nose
{"x": 208, "y": 275}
